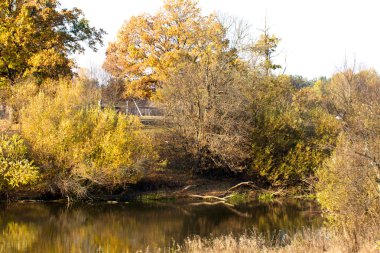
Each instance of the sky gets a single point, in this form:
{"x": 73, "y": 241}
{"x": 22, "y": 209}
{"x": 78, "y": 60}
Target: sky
{"x": 317, "y": 36}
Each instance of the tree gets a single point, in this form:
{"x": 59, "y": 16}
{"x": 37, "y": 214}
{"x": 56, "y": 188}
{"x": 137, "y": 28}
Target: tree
{"x": 151, "y": 47}
{"x": 113, "y": 92}
{"x": 291, "y": 132}
{"x": 206, "y": 106}
{"x": 349, "y": 183}
{"x": 264, "y": 48}
{"x": 300, "y": 82}
{"x": 37, "y": 39}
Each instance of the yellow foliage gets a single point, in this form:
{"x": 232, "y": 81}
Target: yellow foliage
{"x": 151, "y": 47}
{"x": 292, "y": 133}
{"x": 15, "y": 169}
{"x": 348, "y": 187}
{"x": 72, "y": 138}
{"x": 38, "y": 37}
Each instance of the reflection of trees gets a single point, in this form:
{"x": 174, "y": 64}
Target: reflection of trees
{"x": 287, "y": 217}
{"x": 18, "y": 237}
{"x": 117, "y": 228}
{"x": 102, "y": 228}
{"x": 262, "y": 218}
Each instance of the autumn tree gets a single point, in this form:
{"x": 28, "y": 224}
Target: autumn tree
{"x": 292, "y": 133}
{"x": 263, "y": 50}
{"x": 349, "y": 183}
{"x": 150, "y": 47}
{"x": 38, "y": 37}
{"x": 206, "y": 106}
{"x": 113, "y": 92}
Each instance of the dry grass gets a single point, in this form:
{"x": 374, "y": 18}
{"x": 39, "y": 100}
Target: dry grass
{"x": 7, "y": 127}
{"x": 322, "y": 240}
{"x": 4, "y": 125}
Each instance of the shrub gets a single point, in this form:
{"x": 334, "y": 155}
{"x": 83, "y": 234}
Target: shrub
{"x": 349, "y": 182}
{"x": 348, "y": 187}
{"x": 79, "y": 145}
{"x": 15, "y": 169}
{"x": 291, "y": 135}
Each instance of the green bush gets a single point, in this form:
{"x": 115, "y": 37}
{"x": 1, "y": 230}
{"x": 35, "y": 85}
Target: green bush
{"x": 15, "y": 169}
{"x": 348, "y": 187}
{"x": 291, "y": 133}
{"x": 79, "y": 145}
{"x": 349, "y": 182}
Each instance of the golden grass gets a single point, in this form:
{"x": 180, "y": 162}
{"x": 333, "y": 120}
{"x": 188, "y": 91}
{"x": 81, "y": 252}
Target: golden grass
{"x": 4, "y": 125}
{"x": 7, "y": 127}
{"x": 322, "y": 240}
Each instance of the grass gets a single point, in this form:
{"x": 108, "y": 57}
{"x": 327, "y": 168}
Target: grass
{"x": 4, "y": 125}
{"x": 238, "y": 198}
{"x": 313, "y": 242}
{"x": 321, "y": 240}
{"x": 266, "y": 197}
{"x": 154, "y": 197}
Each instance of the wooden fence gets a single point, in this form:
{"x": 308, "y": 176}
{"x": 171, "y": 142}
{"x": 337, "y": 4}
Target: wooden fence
{"x": 133, "y": 108}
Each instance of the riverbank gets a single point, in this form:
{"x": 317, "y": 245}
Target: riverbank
{"x": 317, "y": 241}
{"x": 177, "y": 185}
{"x": 175, "y": 179}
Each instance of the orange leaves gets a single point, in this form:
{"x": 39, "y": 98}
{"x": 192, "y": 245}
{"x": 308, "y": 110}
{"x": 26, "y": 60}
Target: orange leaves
{"x": 37, "y": 38}
{"x": 149, "y": 47}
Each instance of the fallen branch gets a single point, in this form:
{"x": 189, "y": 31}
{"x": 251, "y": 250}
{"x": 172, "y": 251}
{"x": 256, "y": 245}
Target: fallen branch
{"x": 208, "y": 197}
{"x": 250, "y": 183}
{"x": 186, "y": 188}
{"x": 211, "y": 203}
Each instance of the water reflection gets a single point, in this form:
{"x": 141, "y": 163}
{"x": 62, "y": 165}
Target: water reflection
{"x": 37, "y": 227}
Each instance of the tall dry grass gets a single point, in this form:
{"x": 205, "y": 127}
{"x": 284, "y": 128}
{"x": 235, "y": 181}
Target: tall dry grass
{"x": 364, "y": 239}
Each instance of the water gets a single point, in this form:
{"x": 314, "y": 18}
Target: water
{"x": 52, "y": 227}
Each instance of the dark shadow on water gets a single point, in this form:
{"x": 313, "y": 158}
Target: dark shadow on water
{"x": 52, "y": 227}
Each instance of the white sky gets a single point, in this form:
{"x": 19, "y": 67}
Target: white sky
{"x": 316, "y": 35}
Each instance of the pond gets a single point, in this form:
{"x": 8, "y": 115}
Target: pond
{"x": 127, "y": 227}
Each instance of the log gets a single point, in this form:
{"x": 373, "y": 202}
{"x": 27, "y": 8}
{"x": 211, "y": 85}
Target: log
{"x": 250, "y": 183}
{"x": 208, "y": 197}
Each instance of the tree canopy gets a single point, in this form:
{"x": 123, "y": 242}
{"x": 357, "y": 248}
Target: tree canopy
{"x": 264, "y": 48}
{"x": 38, "y": 37}
{"x": 150, "y": 47}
